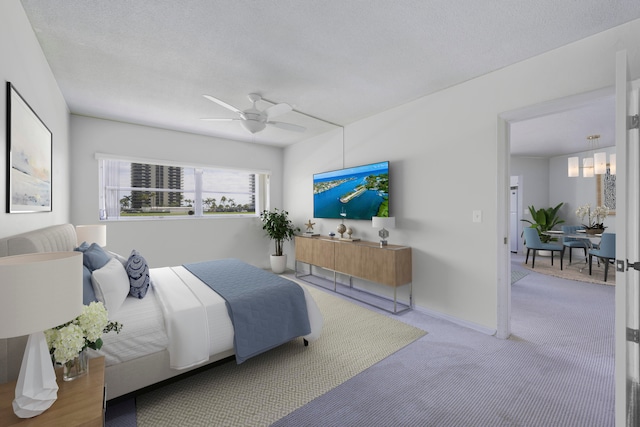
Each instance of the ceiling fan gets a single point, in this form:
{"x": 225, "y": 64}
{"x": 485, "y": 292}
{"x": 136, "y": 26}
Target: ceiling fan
{"x": 255, "y": 120}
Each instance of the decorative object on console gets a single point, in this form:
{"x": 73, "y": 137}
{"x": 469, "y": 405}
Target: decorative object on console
{"x": 96, "y": 233}
{"x": 341, "y": 229}
{"x": 595, "y": 218}
{"x": 29, "y": 157}
{"x": 279, "y": 228}
{"x": 309, "y": 232}
{"x": 383, "y": 223}
{"x": 68, "y": 341}
{"x": 592, "y": 165}
{"x": 349, "y": 232}
{"x": 38, "y": 291}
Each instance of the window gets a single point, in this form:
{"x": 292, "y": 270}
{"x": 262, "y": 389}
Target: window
{"x": 148, "y": 189}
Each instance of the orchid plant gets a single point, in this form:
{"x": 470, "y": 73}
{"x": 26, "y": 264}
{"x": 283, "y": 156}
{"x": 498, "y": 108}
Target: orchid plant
{"x": 595, "y": 218}
{"x": 67, "y": 340}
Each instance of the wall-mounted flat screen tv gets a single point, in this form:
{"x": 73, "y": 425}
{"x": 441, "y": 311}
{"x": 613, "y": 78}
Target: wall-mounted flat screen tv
{"x": 359, "y": 192}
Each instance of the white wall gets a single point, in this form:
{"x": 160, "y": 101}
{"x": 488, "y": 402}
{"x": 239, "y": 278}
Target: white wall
{"x": 24, "y": 65}
{"x": 444, "y": 158}
{"x": 171, "y": 241}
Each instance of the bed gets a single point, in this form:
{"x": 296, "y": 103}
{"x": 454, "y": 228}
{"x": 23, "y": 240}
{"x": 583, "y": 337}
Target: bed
{"x": 159, "y": 340}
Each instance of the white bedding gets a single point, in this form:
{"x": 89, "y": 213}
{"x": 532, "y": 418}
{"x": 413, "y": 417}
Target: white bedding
{"x": 182, "y": 314}
{"x": 143, "y": 332}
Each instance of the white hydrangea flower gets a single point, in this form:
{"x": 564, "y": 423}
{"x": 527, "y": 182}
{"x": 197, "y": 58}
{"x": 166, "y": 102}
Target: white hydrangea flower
{"x": 93, "y": 320}
{"x": 68, "y": 343}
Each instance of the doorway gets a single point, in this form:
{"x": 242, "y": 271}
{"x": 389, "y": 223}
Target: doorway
{"x": 553, "y": 113}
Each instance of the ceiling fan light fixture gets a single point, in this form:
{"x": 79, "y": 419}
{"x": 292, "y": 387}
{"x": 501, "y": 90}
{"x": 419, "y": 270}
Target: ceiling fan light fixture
{"x": 253, "y": 126}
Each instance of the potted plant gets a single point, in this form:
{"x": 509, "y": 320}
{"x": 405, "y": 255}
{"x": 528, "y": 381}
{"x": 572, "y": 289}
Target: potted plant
{"x": 279, "y": 228}
{"x": 544, "y": 220}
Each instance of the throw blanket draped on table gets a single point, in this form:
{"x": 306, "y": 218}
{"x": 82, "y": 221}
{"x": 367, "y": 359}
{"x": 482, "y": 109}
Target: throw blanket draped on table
{"x": 266, "y": 310}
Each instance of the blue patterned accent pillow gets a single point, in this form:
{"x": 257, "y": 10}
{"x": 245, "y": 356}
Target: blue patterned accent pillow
{"x": 138, "y": 272}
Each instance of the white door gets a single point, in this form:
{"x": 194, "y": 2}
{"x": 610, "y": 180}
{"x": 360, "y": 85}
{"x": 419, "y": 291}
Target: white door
{"x": 627, "y": 362}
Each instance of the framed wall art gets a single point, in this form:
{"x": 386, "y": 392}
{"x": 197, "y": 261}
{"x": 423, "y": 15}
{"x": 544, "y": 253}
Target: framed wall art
{"x": 606, "y": 191}
{"x": 29, "y": 157}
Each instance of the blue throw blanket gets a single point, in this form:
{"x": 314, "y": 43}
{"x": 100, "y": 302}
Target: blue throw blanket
{"x": 266, "y": 310}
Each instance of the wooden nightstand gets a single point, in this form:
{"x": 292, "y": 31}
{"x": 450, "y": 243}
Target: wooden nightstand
{"x": 80, "y": 402}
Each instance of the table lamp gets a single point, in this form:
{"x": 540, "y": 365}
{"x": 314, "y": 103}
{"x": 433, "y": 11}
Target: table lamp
{"x": 383, "y": 223}
{"x": 92, "y": 234}
{"x": 37, "y": 292}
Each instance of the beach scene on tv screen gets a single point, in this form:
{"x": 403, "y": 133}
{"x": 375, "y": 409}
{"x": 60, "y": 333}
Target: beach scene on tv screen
{"x": 359, "y": 192}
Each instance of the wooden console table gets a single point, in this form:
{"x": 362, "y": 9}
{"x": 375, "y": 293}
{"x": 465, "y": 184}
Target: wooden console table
{"x": 80, "y": 402}
{"x": 388, "y": 265}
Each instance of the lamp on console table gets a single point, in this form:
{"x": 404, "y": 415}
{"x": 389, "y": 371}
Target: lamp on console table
{"x": 383, "y": 223}
{"x": 37, "y": 292}
{"x": 92, "y": 234}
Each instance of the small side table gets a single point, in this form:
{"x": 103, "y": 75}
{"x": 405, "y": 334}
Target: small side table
{"x": 80, "y": 402}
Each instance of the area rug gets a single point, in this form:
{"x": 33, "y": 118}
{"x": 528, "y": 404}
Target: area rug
{"x": 578, "y": 270}
{"x": 517, "y": 275}
{"x": 267, "y": 387}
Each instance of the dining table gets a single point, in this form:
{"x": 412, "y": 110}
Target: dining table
{"x": 592, "y": 240}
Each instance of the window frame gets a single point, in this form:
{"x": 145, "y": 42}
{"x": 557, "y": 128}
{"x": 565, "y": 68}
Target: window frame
{"x": 261, "y": 190}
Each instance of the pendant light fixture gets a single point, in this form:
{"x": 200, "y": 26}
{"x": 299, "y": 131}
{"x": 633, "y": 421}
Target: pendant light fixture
{"x": 596, "y": 165}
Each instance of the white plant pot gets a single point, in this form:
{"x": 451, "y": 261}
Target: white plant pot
{"x": 278, "y": 263}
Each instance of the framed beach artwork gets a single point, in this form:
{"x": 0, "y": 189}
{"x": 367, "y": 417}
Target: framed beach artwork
{"x": 29, "y": 157}
{"x": 606, "y": 191}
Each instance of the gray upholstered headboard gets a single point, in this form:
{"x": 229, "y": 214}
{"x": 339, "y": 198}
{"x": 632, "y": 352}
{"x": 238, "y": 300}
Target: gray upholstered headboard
{"x": 49, "y": 239}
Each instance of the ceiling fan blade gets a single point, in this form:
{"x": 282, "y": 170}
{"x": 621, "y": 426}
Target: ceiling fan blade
{"x": 223, "y": 104}
{"x": 277, "y": 110}
{"x": 288, "y": 126}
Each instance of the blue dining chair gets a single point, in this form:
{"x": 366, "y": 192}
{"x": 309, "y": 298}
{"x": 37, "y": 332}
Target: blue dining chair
{"x": 532, "y": 242}
{"x": 606, "y": 252}
{"x": 573, "y": 243}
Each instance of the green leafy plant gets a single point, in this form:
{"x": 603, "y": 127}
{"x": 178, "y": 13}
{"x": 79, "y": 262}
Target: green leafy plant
{"x": 278, "y": 227}
{"x": 544, "y": 220}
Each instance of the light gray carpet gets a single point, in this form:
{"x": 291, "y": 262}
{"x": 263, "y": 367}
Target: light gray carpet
{"x": 557, "y": 369}
{"x": 271, "y": 385}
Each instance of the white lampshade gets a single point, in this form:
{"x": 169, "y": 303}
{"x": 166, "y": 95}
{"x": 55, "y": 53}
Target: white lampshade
{"x": 600, "y": 163}
{"x": 587, "y": 167}
{"x": 92, "y": 234}
{"x": 612, "y": 164}
{"x": 38, "y": 292}
{"x": 383, "y": 222}
{"x": 574, "y": 167}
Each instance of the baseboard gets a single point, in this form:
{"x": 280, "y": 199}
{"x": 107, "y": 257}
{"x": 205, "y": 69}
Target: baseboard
{"x": 455, "y": 320}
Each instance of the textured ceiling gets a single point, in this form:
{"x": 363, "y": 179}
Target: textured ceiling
{"x": 150, "y": 61}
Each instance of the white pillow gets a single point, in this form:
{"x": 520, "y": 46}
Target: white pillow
{"x": 111, "y": 285}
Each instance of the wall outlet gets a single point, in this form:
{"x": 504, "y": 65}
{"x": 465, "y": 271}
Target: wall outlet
{"x": 477, "y": 216}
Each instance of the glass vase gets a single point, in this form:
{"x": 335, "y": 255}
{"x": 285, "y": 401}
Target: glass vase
{"x": 76, "y": 367}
